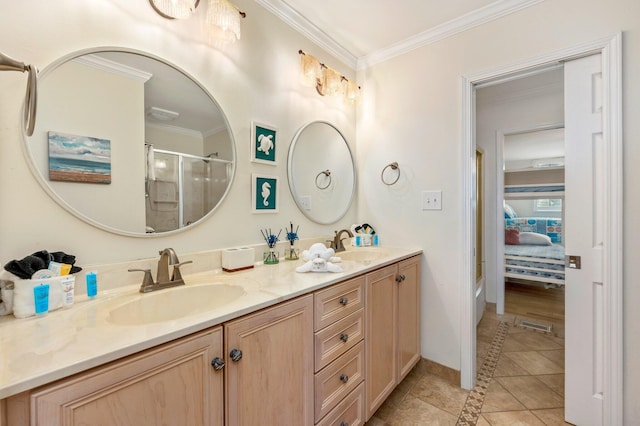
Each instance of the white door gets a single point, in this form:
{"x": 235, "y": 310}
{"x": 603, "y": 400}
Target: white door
{"x": 584, "y": 219}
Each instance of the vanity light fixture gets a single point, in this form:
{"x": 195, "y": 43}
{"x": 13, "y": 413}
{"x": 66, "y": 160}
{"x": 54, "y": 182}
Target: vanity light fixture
{"x": 31, "y": 97}
{"x": 326, "y": 80}
{"x": 174, "y": 9}
{"x": 223, "y": 22}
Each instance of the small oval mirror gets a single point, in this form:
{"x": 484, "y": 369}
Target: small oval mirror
{"x": 120, "y": 128}
{"x": 321, "y": 172}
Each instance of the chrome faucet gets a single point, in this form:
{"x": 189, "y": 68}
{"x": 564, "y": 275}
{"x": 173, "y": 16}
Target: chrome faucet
{"x": 337, "y": 244}
{"x": 168, "y": 257}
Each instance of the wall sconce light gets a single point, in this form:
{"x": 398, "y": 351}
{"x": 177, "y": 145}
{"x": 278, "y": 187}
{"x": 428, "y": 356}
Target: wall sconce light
{"x": 222, "y": 22}
{"x": 327, "y": 81}
{"x": 174, "y": 9}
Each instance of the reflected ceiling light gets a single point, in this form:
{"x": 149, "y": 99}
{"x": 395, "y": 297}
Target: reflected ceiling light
{"x": 162, "y": 114}
{"x": 326, "y": 80}
{"x": 174, "y": 9}
{"x": 223, "y": 22}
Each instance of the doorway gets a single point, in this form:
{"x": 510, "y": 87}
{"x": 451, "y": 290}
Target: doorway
{"x": 612, "y": 226}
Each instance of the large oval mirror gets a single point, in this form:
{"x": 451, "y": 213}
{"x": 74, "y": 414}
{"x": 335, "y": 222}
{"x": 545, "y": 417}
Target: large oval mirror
{"x": 321, "y": 172}
{"x": 130, "y": 143}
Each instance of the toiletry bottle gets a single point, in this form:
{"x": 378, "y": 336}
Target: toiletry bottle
{"x": 92, "y": 284}
{"x": 41, "y": 299}
{"x": 67, "y": 286}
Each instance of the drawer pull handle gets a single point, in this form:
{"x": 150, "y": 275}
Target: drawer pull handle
{"x": 344, "y": 301}
{"x": 344, "y": 424}
{"x": 236, "y": 355}
{"x": 344, "y": 337}
{"x": 217, "y": 363}
{"x": 344, "y": 378}
{"x": 400, "y": 278}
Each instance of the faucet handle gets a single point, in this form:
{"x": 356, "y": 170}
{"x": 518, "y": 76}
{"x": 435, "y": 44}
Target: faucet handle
{"x": 177, "y": 276}
{"x": 147, "y": 281}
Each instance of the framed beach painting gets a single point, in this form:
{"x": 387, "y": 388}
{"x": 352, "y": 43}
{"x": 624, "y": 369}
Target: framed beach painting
{"x": 263, "y": 143}
{"x": 79, "y": 158}
{"x": 264, "y": 193}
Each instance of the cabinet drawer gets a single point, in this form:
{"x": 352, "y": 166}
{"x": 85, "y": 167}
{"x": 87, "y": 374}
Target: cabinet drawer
{"x": 350, "y": 411}
{"x": 339, "y": 378}
{"x": 337, "y": 302}
{"x": 333, "y": 341}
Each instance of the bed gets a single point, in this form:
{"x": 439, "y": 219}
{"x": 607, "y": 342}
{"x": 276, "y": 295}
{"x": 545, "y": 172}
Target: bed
{"x": 536, "y": 253}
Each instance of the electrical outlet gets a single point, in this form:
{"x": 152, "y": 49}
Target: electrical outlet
{"x": 431, "y": 200}
{"x": 305, "y": 202}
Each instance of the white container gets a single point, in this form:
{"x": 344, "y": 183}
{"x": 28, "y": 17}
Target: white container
{"x": 237, "y": 259}
{"x": 60, "y": 294}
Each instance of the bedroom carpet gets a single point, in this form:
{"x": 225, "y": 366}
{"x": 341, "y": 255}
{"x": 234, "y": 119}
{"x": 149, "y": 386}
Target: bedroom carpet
{"x": 520, "y": 381}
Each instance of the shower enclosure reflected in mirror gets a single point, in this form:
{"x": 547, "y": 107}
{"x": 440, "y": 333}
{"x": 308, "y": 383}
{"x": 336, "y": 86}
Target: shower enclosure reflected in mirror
{"x": 170, "y": 156}
{"x": 321, "y": 172}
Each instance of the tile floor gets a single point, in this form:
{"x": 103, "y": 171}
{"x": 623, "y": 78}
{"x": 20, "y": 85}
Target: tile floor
{"x": 525, "y": 383}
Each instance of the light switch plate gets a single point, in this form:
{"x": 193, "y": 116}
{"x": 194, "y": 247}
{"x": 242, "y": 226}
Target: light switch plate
{"x": 431, "y": 200}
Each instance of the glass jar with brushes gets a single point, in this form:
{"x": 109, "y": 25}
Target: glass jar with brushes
{"x": 270, "y": 256}
{"x": 291, "y": 252}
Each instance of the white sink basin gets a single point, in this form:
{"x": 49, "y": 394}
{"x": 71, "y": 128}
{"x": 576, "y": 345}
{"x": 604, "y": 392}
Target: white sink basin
{"x": 362, "y": 254}
{"x": 174, "y": 303}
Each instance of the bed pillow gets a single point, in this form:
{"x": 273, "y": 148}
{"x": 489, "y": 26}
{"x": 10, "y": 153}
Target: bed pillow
{"x": 535, "y": 239}
{"x": 509, "y": 212}
{"x": 512, "y": 237}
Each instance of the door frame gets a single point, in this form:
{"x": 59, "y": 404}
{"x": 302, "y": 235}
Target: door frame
{"x": 611, "y": 50}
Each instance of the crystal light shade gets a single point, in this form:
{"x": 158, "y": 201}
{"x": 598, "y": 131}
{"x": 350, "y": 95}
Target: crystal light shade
{"x": 351, "y": 91}
{"x": 311, "y": 70}
{"x": 331, "y": 82}
{"x": 223, "y": 22}
{"x": 178, "y": 9}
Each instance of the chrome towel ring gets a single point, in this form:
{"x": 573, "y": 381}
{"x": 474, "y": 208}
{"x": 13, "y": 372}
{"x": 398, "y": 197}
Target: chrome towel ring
{"x": 394, "y": 167}
{"x": 327, "y": 174}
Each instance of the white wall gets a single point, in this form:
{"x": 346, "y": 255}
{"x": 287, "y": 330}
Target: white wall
{"x": 255, "y": 79}
{"x": 412, "y": 114}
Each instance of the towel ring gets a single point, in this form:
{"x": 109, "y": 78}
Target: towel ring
{"x": 393, "y": 166}
{"x": 327, "y": 173}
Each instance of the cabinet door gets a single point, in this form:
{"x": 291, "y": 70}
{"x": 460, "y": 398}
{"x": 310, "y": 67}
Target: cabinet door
{"x": 381, "y": 365}
{"x": 271, "y": 381}
{"x": 173, "y": 384}
{"x": 408, "y": 315}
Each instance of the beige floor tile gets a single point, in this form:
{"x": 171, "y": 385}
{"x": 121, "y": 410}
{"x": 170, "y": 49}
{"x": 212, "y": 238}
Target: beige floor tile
{"x": 387, "y": 409}
{"x": 482, "y": 348}
{"x": 414, "y": 411}
{"x": 482, "y": 422}
{"x": 534, "y": 362}
{"x": 374, "y": 421}
{"x": 535, "y": 341}
{"x": 511, "y": 418}
{"x": 513, "y": 345}
{"x": 440, "y": 393}
{"x": 556, "y": 356}
{"x": 506, "y": 367}
{"x": 554, "y": 381}
{"x": 498, "y": 399}
{"x": 553, "y": 417}
{"x": 531, "y": 392}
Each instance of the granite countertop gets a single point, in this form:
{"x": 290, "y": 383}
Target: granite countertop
{"x": 38, "y": 350}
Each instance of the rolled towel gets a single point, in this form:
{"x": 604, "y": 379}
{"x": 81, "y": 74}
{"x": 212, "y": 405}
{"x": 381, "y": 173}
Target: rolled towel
{"x": 62, "y": 257}
{"x": 25, "y": 268}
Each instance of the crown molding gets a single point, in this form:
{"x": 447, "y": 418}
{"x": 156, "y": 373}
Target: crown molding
{"x": 113, "y": 67}
{"x": 472, "y": 19}
{"x": 301, "y": 24}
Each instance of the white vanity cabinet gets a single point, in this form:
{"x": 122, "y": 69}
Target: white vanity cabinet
{"x": 393, "y": 328}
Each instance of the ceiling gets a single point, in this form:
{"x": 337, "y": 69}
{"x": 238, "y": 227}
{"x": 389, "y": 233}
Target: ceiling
{"x": 365, "y": 32}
